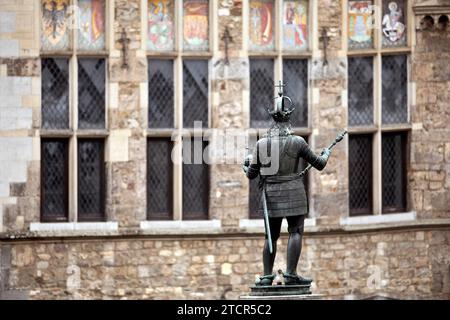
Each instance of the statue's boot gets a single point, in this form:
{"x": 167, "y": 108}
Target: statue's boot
{"x": 295, "y": 279}
{"x": 265, "y": 280}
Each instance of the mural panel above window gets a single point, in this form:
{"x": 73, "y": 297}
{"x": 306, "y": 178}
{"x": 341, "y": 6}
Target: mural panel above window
{"x": 261, "y": 25}
{"x": 394, "y": 23}
{"x": 161, "y": 25}
{"x": 55, "y": 31}
{"x": 295, "y": 25}
{"x": 91, "y": 25}
{"x": 360, "y": 24}
{"x": 195, "y": 25}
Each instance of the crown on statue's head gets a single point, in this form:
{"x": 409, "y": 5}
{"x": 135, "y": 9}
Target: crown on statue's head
{"x": 283, "y": 106}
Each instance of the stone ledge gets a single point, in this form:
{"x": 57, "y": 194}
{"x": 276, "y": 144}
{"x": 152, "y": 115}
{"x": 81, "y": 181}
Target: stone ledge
{"x": 180, "y": 226}
{"x": 214, "y": 233}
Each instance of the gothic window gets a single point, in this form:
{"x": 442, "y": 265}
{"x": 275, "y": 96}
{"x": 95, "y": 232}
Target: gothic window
{"x": 394, "y": 82}
{"x": 195, "y": 180}
{"x": 55, "y": 180}
{"x": 160, "y": 94}
{"x": 91, "y": 93}
{"x": 261, "y": 91}
{"x": 295, "y": 76}
{"x": 73, "y": 122}
{"x": 360, "y": 173}
{"x": 195, "y": 92}
{"x": 55, "y": 93}
{"x": 159, "y": 179}
{"x": 91, "y": 180}
{"x": 360, "y": 91}
{"x": 394, "y": 172}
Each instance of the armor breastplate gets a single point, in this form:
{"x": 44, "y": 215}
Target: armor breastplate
{"x": 287, "y": 154}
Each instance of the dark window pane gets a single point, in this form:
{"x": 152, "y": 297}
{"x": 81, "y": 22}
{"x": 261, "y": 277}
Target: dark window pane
{"x": 91, "y": 181}
{"x": 91, "y": 93}
{"x": 394, "y": 172}
{"x": 394, "y": 82}
{"x": 360, "y": 91}
{"x": 261, "y": 92}
{"x": 159, "y": 179}
{"x": 195, "y": 180}
{"x": 160, "y": 94}
{"x": 195, "y": 92}
{"x": 360, "y": 174}
{"x": 54, "y": 176}
{"x": 295, "y": 76}
{"x": 55, "y": 93}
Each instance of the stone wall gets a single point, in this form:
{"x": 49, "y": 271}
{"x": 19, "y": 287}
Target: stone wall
{"x": 395, "y": 264}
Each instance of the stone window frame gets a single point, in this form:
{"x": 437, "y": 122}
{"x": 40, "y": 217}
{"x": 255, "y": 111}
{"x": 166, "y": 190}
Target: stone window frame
{"x": 73, "y": 133}
{"x": 378, "y": 128}
{"x": 278, "y": 55}
{"x": 178, "y": 55}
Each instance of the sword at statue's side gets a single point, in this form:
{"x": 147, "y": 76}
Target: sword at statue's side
{"x": 339, "y": 137}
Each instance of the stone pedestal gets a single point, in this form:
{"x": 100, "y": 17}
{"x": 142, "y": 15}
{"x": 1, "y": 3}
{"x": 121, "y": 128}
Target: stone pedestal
{"x": 298, "y": 292}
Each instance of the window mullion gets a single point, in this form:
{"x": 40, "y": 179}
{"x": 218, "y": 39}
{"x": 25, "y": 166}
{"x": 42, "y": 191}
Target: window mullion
{"x": 377, "y": 158}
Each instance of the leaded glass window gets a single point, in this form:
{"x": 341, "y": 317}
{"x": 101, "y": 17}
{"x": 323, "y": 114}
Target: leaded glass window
{"x": 360, "y": 174}
{"x": 91, "y": 93}
{"x": 360, "y": 91}
{"x": 91, "y": 180}
{"x": 195, "y": 92}
{"x": 160, "y": 94}
{"x": 295, "y": 76}
{"x": 261, "y": 20}
{"x": 394, "y": 82}
{"x": 261, "y": 91}
{"x": 159, "y": 179}
{"x": 55, "y": 28}
{"x": 91, "y": 25}
{"x": 394, "y": 171}
{"x": 295, "y": 25}
{"x": 54, "y": 187}
{"x": 195, "y": 180}
{"x": 196, "y": 25}
{"x": 394, "y": 31}
{"x": 55, "y": 93}
{"x": 161, "y": 25}
{"x": 360, "y": 24}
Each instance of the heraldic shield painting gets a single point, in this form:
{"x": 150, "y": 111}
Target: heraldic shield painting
{"x": 55, "y": 33}
{"x": 160, "y": 25}
{"x": 393, "y": 24}
{"x": 295, "y": 25}
{"x": 360, "y": 24}
{"x": 91, "y": 25}
{"x": 195, "y": 25}
{"x": 261, "y": 25}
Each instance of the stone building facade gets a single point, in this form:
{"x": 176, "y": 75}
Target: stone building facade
{"x": 398, "y": 251}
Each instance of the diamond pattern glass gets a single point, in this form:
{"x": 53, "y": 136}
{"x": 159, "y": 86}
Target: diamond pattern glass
{"x": 91, "y": 93}
{"x": 360, "y": 91}
{"x": 91, "y": 180}
{"x": 195, "y": 92}
{"x": 55, "y": 93}
{"x": 160, "y": 94}
{"x": 54, "y": 184}
{"x": 261, "y": 92}
{"x": 159, "y": 179}
{"x": 360, "y": 174}
{"x": 394, "y": 172}
{"x": 394, "y": 82}
{"x": 195, "y": 182}
{"x": 295, "y": 76}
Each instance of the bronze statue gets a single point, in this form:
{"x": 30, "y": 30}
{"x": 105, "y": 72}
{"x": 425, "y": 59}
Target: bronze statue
{"x": 275, "y": 160}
